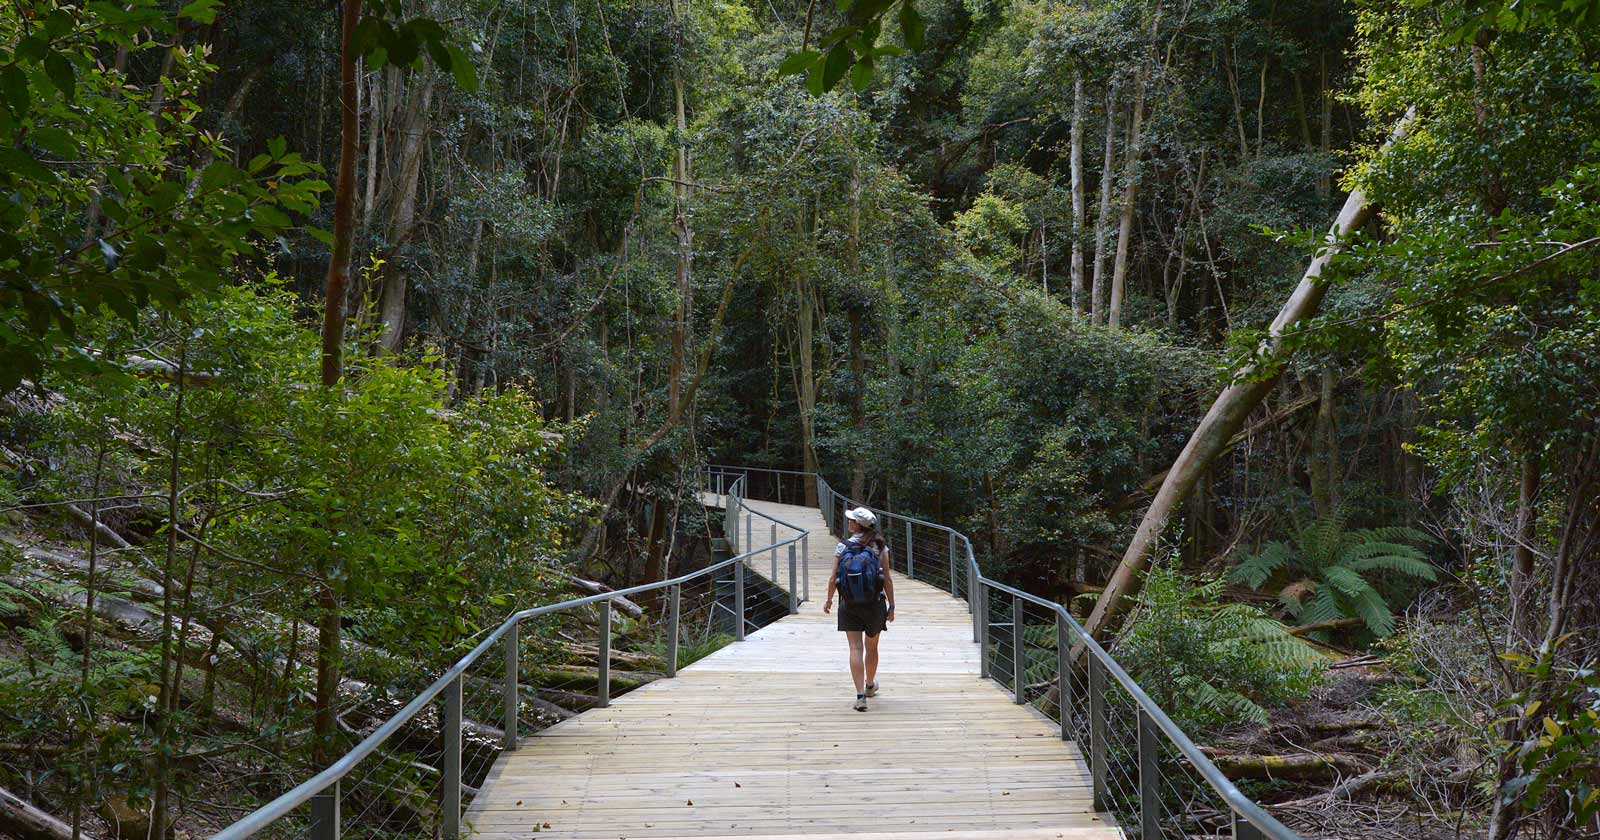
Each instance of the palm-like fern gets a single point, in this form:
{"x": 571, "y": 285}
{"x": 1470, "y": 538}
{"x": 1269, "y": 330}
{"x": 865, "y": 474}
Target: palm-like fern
{"x": 1329, "y": 572}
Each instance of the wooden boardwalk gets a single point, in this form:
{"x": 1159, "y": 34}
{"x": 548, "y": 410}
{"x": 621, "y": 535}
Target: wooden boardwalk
{"x": 759, "y": 740}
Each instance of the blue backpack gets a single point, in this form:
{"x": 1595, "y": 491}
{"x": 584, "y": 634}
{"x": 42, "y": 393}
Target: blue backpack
{"x": 859, "y": 575}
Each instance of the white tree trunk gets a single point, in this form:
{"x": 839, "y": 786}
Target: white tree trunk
{"x": 1076, "y": 159}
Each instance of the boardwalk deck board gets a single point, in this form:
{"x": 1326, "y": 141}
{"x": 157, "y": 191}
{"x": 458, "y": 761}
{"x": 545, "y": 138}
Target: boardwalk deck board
{"x": 758, "y": 741}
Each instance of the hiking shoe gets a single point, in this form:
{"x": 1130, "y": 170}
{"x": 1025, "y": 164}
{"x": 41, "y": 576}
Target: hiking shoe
{"x": 861, "y": 703}
{"x": 872, "y": 689}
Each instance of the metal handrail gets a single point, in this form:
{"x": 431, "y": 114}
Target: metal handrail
{"x": 322, "y": 790}
{"x": 1250, "y": 820}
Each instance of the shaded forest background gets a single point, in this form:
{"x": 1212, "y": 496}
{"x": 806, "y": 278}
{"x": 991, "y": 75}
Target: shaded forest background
{"x": 995, "y": 279}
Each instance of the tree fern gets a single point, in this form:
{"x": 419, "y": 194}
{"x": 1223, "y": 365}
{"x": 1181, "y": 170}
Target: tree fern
{"x": 1328, "y": 572}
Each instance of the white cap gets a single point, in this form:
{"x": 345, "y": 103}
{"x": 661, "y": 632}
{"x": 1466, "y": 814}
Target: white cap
{"x": 863, "y": 516}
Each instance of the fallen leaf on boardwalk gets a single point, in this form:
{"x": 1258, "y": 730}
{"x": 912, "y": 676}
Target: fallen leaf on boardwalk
{"x": 690, "y": 803}
{"x": 737, "y": 785}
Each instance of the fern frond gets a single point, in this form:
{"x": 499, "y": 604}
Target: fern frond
{"x": 1374, "y": 612}
{"x": 1255, "y": 570}
{"x": 1221, "y": 701}
{"x": 1397, "y": 534}
{"x": 1407, "y": 565}
{"x": 1324, "y": 607}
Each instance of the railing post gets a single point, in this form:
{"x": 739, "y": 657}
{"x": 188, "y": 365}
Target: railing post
{"x": 1149, "y": 779}
{"x": 674, "y": 609}
{"x": 911, "y": 560}
{"x": 1243, "y": 830}
{"x": 794, "y": 587}
{"x": 1065, "y": 702}
{"x": 1097, "y": 730}
{"x": 602, "y": 686}
{"x": 513, "y": 645}
{"x": 738, "y": 601}
{"x": 325, "y": 813}
{"x": 805, "y": 566}
{"x": 981, "y": 615}
{"x": 952, "y": 562}
{"x": 773, "y": 541}
{"x": 450, "y": 793}
{"x": 749, "y": 532}
{"x": 1019, "y": 654}
{"x": 972, "y": 599}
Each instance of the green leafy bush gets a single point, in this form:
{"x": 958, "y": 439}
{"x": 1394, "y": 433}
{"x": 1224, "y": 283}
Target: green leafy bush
{"x": 1329, "y": 572}
{"x": 1209, "y": 664}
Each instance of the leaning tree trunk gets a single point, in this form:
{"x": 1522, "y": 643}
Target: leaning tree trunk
{"x": 1251, "y": 383}
{"x": 21, "y": 820}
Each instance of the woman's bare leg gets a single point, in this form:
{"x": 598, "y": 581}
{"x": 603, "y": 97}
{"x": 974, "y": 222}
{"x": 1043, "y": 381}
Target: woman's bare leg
{"x": 872, "y": 658}
{"x": 857, "y": 666}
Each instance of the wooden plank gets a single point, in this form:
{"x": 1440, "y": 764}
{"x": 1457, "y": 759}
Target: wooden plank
{"x": 759, "y": 737}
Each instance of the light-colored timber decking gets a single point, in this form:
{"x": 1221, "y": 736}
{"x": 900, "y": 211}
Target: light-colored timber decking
{"x": 759, "y": 740}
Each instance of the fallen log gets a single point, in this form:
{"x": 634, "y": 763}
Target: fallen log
{"x": 101, "y": 528}
{"x": 26, "y": 822}
{"x": 590, "y": 655}
{"x": 1347, "y": 789}
{"x": 1297, "y": 767}
{"x": 594, "y": 587}
{"x": 1325, "y": 626}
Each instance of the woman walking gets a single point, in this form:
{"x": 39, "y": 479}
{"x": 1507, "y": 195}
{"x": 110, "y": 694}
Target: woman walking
{"x": 861, "y": 579}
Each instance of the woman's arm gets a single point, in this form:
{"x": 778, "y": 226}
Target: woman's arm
{"x": 888, "y": 584}
{"x": 833, "y": 583}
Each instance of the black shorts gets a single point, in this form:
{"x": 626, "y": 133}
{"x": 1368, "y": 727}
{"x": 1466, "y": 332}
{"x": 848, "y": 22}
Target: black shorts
{"x": 870, "y": 618}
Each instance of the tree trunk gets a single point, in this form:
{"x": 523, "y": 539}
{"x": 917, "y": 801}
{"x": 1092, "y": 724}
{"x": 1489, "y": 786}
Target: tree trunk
{"x": 1232, "y": 72}
{"x": 338, "y": 277}
{"x": 858, "y": 363}
{"x": 374, "y": 140}
{"x": 338, "y": 280}
{"x": 684, "y": 233}
{"x": 1250, "y": 384}
{"x": 1130, "y": 193}
{"x": 1102, "y": 228}
{"x": 1524, "y": 582}
{"x": 21, "y": 820}
{"x": 806, "y": 379}
{"x": 168, "y": 689}
{"x": 397, "y": 281}
{"x": 655, "y": 543}
{"x": 1324, "y": 451}
{"x": 858, "y": 410}
{"x": 1076, "y": 158}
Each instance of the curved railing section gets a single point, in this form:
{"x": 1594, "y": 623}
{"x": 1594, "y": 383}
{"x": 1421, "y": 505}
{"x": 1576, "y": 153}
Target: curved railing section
{"x": 1144, "y": 769}
{"x": 385, "y": 765}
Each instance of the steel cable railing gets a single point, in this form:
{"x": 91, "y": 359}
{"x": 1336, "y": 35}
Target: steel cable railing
{"x": 414, "y": 772}
{"x": 1143, "y": 768}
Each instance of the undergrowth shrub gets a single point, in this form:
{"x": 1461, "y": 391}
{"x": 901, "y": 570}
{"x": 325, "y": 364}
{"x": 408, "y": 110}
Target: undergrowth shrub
{"x": 1210, "y": 664}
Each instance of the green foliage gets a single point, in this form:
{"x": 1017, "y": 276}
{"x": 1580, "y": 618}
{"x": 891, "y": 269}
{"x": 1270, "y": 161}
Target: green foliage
{"x": 1327, "y": 571}
{"x": 103, "y": 206}
{"x": 851, "y": 48}
{"x": 1210, "y": 664}
{"x": 383, "y": 38}
{"x": 1559, "y": 715}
